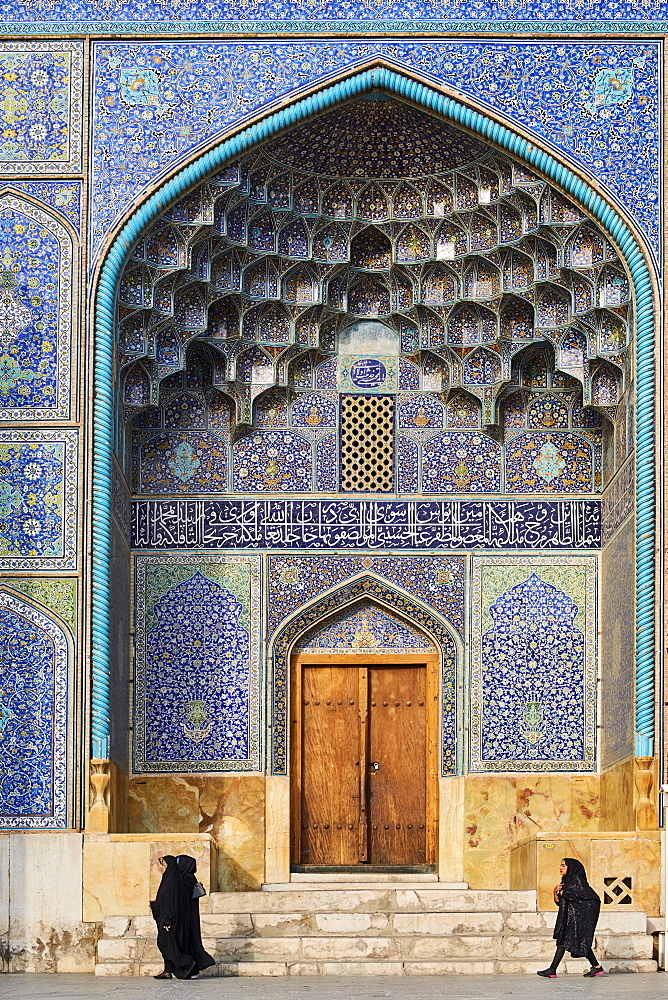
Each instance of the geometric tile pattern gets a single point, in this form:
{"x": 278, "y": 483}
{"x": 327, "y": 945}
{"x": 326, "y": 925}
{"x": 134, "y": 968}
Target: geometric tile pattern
{"x": 38, "y": 488}
{"x": 36, "y": 307}
{"x": 193, "y": 92}
{"x": 33, "y": 718}
{"x": 197, "y": 667}
{"x": 295, "y": 580}
{"x": 40, "y": 107}
{"x": 369, "y": 590}
{"x": 533, "y": 665}
{"x": 367, "y": 629}
{"x": 617, "y": 620}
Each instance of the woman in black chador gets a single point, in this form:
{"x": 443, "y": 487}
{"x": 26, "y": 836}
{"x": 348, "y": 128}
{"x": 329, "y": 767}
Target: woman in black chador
{"x": 187, "y": 867}
{"x": 176, "y": 914}
{"x": 579, "y": 907}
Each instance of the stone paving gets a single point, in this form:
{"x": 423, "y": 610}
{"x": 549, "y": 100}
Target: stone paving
{"x": 571, "y": 987}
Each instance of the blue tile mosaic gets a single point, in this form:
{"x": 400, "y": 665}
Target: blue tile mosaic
{"x": 533, "y": 665}
{"x": 541, "y": 462}
{"x": 41, "y": 106}
{"x": 63, "y": 196}
{"x": 267, "y": 461}
{"x": 196, "y": 682}
{"x": 436, "y": 580}
{"x": 38, "y": 490}
{"x": 461, "y": 462}
{"x": 36, "y": 307}
{"x": 362, "y": 524}
{"x": 369, "y": 590}
{"x": 194, "y": 92}
{"x": 617, "y": 652}
{"x": 366, "y": 629}
{"x": 33, "y": 718}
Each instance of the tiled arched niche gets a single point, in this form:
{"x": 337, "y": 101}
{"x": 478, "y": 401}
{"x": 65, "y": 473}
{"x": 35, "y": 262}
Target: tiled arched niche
{"x": 499, "y": 315}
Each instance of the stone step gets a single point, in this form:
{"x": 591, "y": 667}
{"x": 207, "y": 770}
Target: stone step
{"x": 354, "y": 878}
{"x": 358, "y": 886}
{"x": 475, "y": 966}
{"x": 426, "y": 947}
{"x": 371, "y": 900}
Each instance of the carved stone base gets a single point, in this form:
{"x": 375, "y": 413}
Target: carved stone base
{"x": 646, "y": 814}
{"x": 98, "y": 814}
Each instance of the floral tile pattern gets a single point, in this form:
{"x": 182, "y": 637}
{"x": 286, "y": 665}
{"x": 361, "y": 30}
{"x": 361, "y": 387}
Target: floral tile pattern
{"x": 197, "y": 693}
{"x": 38, "y": 499}
{"x": 157, "y": 102}
{"x": 367, "y": 629}
{"x": 533, "y": 665}
{"x": 41, "y": 106}
{"x": 36, "y": 307}
{"x": 617, "y": 621}
{"x": 33, "y": 718}
{"x": 374, "y": 591}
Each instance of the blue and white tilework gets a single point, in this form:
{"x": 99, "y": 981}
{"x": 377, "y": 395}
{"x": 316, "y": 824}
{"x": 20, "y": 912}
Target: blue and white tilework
{"x": 461, "y": 462}
{"x": 373, "y": 591}
{"x": 296, "y": 580}
{"x": 36, "y": 310}
{"x": 38, "y": 491}
{"x": 266, "y": 461}
{"x": 197, "y": 698}
{"x": 41, "y": 106}
{"x": 63, "y": 196}
{"x": 366, "y": 629}
{"x": 533, "y": 665}
{"x": 156, "y": 103}
{"x": 33, "y": 718}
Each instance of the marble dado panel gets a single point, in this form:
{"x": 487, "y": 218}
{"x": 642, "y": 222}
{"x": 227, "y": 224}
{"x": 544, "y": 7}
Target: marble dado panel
{"x": 197, "y": 663}
{"x": 36, "y": 292}
{"x": 617, "y": 630}
{"x": 38, "y": 499}
{"x": 34, "y": 686}
{"x": 155, "y": 103}
{"x": 295, "y": 580}
{"x": 231, "y": 809}
{"x": 41, "y": 106}
{"x": 533, "y": 664}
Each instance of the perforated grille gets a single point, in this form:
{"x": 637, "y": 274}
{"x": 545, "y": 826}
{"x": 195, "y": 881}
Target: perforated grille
{"x": 367, "y": 449}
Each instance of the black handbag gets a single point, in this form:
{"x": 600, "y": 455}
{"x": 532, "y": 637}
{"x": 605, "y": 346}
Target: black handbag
{"x": 198, "y": 890}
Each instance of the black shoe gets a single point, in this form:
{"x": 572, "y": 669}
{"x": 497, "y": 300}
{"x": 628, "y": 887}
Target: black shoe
{"x": 163, "y": 975}
{"x": 547, "y": 973}
{"x": 184, "y": 971}
{"x": 596, "y": 970}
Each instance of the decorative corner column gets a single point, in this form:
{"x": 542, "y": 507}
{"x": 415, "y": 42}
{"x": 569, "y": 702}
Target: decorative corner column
{"x": 646, "y": 814}
{"x": 98, "y": 814}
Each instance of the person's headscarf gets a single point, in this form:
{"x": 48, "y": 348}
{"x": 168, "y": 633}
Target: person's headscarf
{"x": 574, "y": 882}
{"x": 187, "y": 865}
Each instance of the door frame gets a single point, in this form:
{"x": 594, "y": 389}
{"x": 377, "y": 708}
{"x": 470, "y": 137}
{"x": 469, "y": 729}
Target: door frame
{"x": 431, "y": 663}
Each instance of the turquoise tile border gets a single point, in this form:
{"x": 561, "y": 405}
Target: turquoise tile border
{"x": 458, "y": 113}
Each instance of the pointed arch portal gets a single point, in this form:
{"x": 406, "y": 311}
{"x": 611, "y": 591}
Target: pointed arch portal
{"x": 394, "y": 83}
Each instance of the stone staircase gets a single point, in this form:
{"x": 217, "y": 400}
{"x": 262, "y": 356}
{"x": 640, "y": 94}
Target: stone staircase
{"x": 417, "y": 927}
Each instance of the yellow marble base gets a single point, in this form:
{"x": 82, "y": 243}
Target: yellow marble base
{"x": 534, "y": 864}
{"x": 230, "y": 808}
{"x": 121, "y": 872}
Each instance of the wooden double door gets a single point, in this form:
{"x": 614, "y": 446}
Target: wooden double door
{"x": 364, "y": 762}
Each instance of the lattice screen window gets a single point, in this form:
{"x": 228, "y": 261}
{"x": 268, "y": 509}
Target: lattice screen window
{"x": 367, "y": 444}
{"x": 618, "y": 890}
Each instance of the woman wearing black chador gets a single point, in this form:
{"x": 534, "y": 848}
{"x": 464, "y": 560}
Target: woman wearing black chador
{"x": 579, "y": 907}
{"x": 176, "y": 914}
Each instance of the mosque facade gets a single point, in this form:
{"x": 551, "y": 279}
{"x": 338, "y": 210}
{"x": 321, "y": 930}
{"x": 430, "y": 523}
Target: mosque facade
{"x": 331, "y": 496}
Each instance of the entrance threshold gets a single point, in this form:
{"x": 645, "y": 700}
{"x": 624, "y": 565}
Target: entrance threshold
{"x": 363, "y": 870}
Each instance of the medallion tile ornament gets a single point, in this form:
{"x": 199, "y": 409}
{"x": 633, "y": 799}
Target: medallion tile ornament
{"x": 38, "y": 490}
{"x": 41, "y": 107}
{"x": 36, "y": 309}
{"x": 33, "y": 718}
{"x": 197, "y": 695}
{"x": 533, "y": 665}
